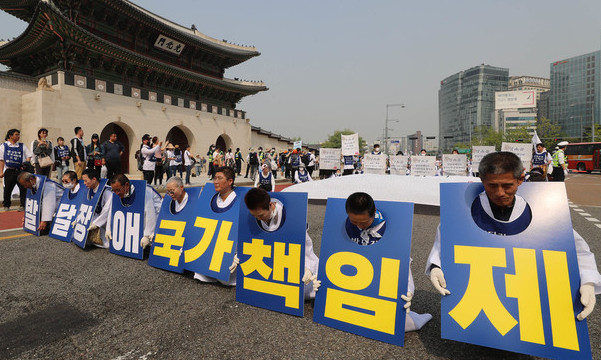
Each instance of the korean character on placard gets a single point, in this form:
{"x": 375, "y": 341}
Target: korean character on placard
{"x": 31, "y": 213}
{"x": 62, "y": 220}
{"x": 82, "y": 221}
{"x": 282, "y": 278}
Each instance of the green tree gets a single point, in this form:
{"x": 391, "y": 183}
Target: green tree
{"x": 548, "y": 132}
{"x": 587, "y": 133}
{"x": 335, "y": 141}
{"x": 519, "y": 133}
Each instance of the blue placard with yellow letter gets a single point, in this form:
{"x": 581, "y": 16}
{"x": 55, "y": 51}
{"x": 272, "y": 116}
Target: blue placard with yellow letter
{"x": 127, "y": 222}
{"x": 272, "y": 263}
{"x": 361, "y": 286}
{"x": 85, "y": 213}
{"x": 33, "y": 207}
{"x": 62, "y": 228}
{"x": 212, "y": 252}
{"x": 172, "y": 230}
{"x": 514, "y": 292}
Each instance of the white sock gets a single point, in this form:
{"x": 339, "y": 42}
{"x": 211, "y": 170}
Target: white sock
{"x": 415, "y": 321}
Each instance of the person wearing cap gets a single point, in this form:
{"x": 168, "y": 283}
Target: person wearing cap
{"x": 169, "y": 156}
{"x": 560, "y": 166}
{"x": 301, "y": 175}
{"x": 499, "y": 210}
{"x": 148, "y": 154}
{"x": 252, "y": 161}
{"x": 265, "y": 180}
{"x": 294, "y": 161}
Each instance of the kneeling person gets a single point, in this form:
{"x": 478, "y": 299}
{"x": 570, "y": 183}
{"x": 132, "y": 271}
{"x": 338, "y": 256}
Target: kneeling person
{"x": 51, "y": 197}
{"x": 270, "y": 215}
{"x": 365, "y": 226}
{"x": 97, "y": 228}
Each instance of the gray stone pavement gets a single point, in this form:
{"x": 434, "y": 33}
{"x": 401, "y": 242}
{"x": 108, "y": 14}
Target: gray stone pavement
{"x": 60, "y": 302}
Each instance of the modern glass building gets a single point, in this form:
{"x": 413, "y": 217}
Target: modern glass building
{"x": 574, "y": 96}
{"x": 467, "y": 100}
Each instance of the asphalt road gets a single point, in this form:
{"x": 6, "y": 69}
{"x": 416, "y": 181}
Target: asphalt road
{"x": 60, "y": 302}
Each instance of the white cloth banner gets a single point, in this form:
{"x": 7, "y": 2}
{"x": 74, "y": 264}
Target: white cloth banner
{"x": 374, "y": 164}
{"x": 398, "y": 164}
{"x": 423, "y": 165}
{"x": 329, "y": 159}
{"x": 454, "y": 164}
{"x": 524, "y": 151}
{"x": 350, "y": 144}
{"x": 298, "y": 144}
{"x": 478, "y": 152}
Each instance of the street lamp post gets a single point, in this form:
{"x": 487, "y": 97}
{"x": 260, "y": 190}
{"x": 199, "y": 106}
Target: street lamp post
{"x": 386, "y": 125}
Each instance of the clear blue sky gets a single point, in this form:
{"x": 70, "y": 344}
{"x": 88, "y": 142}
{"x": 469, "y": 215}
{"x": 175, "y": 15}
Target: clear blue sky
{"x": 336, "y": 64}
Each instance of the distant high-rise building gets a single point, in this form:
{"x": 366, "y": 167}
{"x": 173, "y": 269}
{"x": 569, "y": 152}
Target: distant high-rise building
{"x": 543, "y": 105}
{"x": 467, "y": 100}
{"x": 574, "y": 100}
{"x": 538, "y": 84}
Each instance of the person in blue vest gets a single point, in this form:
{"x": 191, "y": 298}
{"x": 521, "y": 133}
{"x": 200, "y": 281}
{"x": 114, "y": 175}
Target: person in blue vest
{"x": 51, "y": 197}
{"x": 223, "y": 180}
{"x": 376, "y": 150}
{"x": 271, "y": 214}
{"x": 302, "y": 175}
{"x": 14, "y": 157}
{"x": 91, "y": 179}
{"x": 541, "y": 158}
{"x": 365, "y": 226}
{"x": 70, "y": 183}
{"x": 62, "y": 154}
{"x": 121, "y": 186}
{"x": 265, "y": 180}
{"x": 498, "y": 210}
{"x": 179, "y": 196}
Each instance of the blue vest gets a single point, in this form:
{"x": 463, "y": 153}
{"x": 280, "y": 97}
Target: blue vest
{"x": 303, "y": 177}
{"x": 13, "y": 156}
{"x": 493, "y": 226}
{"x": 178, "y": 158}
{"x": 348, "y": 160}
{"x": 265, "y": 180}
{"x": 355, "y": 233}
{"x": 539, "y": 159}
{"x": 62, "y": 151}
{"x": 216, "y": 208}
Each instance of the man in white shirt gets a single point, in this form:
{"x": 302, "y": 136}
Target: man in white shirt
{"x": 121, "y": 186}
{"x": 51, "y": 197}
{"x": 91, "y": 179}
{"x": 150, "y": 159}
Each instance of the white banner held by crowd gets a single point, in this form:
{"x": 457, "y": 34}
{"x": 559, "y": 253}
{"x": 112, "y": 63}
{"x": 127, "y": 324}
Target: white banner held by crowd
{"x": 454, "y": 164}
{"x": 329, "y": 159}
{"x": 398, "y": 164}
{"x": 350, "y": 144}
{"x": 423, "y": 165}
{"x": 524, "y": 151}
{"x": 374, "y": 164}
{"x": 478, "y": 152}
{"x": 298, "y": 144}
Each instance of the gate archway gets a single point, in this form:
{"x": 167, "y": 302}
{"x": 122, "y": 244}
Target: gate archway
{"x": 122, "y": 138}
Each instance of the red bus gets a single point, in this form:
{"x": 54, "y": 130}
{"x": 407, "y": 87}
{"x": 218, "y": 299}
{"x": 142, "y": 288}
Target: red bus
{"x": 584, "y": 157}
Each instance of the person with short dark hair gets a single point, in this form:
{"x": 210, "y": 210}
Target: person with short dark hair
{"x": 61, "y": 157}
{"x": 365, "y": 225}
{"x": 51, "y": 197}
{"x": 113, "y": 149}
{"x": 69, "y": 181}
{"x": 498, "y": 210}
{"x": 78, "y": 151}
{"x": 148, "y": 154}
{"x": 238, "y": 159}
{"x": 188, "y": 163}
{"x": 270, "y": 214}
{"x": 95, "y": 153}
{"x": 223, "y": 180}
{"x": 97, "y": 227}
{"x": 121, "y": 187}
{"x": 14, "y": 158}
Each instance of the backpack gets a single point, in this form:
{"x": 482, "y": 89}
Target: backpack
{"x": 253, "y": 159}
{"x": 305, "y": 159}
{"x": 140, "y": 160}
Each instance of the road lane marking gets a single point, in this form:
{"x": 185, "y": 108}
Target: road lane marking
{"x": 579, "y": 210}
{"x": 15, "y": 236}
{"x": 598, "y": 225}
{"x": 585, "y": 214}
{"x": 573, "y": 206}
{"x": 592, "y": 219}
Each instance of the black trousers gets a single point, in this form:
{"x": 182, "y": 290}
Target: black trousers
{"x": 158, "y": 174}
{"x": 148, "y": 176}
{"x": 238, "y": 166}
{"x": 112, "y": 167}
{"x": 310, "y": 170}
{"x": 10, "y": 180}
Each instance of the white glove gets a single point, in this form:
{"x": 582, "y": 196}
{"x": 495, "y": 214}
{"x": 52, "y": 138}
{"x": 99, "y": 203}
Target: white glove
{"x": 587, "y": 298}
{"x": 307, "y": 276}
{"x": 565, "y": 171}
{"x": 108, "y": 236}
{"x": 234, "y": 264}
{"x": 316, "y": 283}
{"x": 93, "y": 227}
{"x": 438, "y": 280}
{"x": 407, "y": 298}
{"x": 144, "y": 242}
